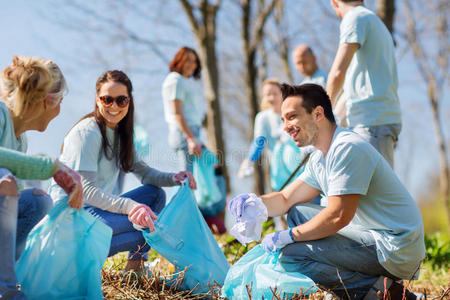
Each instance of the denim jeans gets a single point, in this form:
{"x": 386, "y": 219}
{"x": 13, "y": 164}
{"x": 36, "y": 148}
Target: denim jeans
{"x": 18, "y": 215}
{"x": 125, "y": 237}
{"x": 178, "y": 142}
{"x": 342, "y": 264}
{"x": 383, "y": 137}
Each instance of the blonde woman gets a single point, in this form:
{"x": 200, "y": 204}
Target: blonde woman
{"x": 32, "y": 90}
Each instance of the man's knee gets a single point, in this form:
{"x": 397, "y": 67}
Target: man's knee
{"x": 8, "y": 186}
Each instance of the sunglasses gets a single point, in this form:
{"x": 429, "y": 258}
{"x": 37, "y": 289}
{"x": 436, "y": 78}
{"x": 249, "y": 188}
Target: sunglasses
{"x": 121, "y": 100}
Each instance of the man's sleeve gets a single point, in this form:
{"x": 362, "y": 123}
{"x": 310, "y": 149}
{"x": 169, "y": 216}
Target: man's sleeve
{"x": 353, "y": 30}
{"x": 351, "y": 170}
{"x": 308, "y": 175}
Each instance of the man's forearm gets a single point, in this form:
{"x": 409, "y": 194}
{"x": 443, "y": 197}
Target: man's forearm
{"x": 276, "y": 204}
{"x": 334, "y": 84}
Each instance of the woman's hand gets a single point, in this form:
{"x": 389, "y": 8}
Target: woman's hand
{"x": 194, "y": 147}
{"x": 142, "y": 215}
{"x": 70, "y": 182}
{"x": 181, "y": 176}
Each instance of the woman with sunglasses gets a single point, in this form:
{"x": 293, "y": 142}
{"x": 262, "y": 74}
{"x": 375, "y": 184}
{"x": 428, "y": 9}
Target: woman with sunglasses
{"x": 32, "y": 90}
{"x": 99, "y": 147}
{"x": 181, "y": 110}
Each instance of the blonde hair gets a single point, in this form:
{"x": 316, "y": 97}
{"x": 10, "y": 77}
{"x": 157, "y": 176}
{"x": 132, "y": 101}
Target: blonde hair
{"x": 27, "y": 81}
{"x": 273, "y": 81}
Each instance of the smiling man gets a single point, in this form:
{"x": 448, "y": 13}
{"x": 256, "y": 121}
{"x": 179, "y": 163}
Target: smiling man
{"x": 370, "y": 234}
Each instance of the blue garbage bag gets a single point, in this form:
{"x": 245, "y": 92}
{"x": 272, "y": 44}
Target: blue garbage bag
{"x": 261, "y": 273}
{"x": 208, "y": 193}
{"x": 141, "y": 142}
{"x": 285, "y": 158}
{"x": 63, "y": 256}
{"x": 212, "y": 209}
{"x": 182, "y": 236}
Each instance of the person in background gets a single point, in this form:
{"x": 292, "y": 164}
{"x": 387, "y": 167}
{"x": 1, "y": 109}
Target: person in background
{"x": 306, "y": 63}
{"x": 32, "y": 91}
{"x": 366, "y": 69}
{"x": 268, "y": 131}
{"x": 370, "y": 234}
{"x": 101, "y": 145}
{"x": 181, "y": 106}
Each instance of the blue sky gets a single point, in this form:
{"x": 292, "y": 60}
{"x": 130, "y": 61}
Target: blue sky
{"x": 26, "y": 31}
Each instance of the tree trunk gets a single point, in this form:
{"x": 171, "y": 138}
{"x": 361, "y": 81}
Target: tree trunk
{"x": 386, "y": 11}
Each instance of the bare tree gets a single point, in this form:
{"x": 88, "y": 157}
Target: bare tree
{"x": 252, "y": 37}
{"x": 432, "y": 63}
{"x": 203, "y": 25}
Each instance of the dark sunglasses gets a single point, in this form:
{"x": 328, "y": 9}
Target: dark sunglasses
{"x": 121, "y": 100}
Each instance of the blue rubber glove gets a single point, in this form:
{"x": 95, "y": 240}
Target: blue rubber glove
{"x": 277, "y": 240}
{"x": 236, "y": 205}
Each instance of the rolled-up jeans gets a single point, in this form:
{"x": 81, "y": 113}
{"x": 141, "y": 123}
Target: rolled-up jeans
{"x": 346, "y": 265}
{"x": 383, "y": 137}
{"x": 125, "y": 237}
{"x": 178, "y": 142}
{"x": 18, "y": 215}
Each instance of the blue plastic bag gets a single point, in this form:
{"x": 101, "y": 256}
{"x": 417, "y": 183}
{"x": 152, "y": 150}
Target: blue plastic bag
{"x": 208, "y": 194}
{"x": 63, "y": 256}
{"x": 182, "y": 236}
{"x": 261, "y": 272}
{"x": 286, "y": 157}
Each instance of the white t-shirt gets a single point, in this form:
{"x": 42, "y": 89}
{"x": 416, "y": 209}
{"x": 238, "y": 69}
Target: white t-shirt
{"x": 176, "y": 87}
{"x": 371, "y": 82}
{"x": 319, "y": 77}
{"x": 385, "y": 208}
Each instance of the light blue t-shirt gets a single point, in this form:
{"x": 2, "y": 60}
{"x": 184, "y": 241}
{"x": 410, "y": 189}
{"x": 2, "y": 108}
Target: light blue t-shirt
{"x": 371, "y": 82}
{"x": 319, "y": 77}
{"x": 177, "y": 87}
{"x": 7, "y": 136}
{"x": 385, "y": 208}
{"x": 83, "y": 152}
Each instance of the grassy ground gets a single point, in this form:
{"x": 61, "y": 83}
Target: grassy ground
{"x": 434, "y": 283}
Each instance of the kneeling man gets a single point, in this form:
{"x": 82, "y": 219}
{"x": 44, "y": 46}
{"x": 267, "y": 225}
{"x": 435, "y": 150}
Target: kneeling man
{"x": 370, "y": 234}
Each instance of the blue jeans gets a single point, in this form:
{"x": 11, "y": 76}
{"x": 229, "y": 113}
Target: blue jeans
{"x": 125, "y": 237}
{"x": 383, "y": 137}
{"x": 18, "y": 215}
{"x": 178, "y": 142}
{"x": 342, "y": 264}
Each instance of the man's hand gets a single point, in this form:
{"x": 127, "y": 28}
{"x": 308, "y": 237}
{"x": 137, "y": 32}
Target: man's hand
{"x": 181, "y": 176}
{"x": 142, "y": 215}
{"x": 277, "y": 240}
{"x": 70, "y": 182}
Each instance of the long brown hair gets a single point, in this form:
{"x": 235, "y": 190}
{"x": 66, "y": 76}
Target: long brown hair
{"x": 177, "y": 63}
{"x": 123, "y": 149}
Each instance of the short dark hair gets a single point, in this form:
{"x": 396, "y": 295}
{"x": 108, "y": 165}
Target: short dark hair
{"x": 313, "y": 95}
{"x": 177, "y": 63}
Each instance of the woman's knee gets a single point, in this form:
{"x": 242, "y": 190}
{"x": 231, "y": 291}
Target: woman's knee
{"x": 160, "y": 200}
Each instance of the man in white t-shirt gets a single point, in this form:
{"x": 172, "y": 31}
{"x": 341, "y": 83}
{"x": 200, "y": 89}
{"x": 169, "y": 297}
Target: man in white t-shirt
{"x": 306, "y": 63}
{"x": 369, "y": 235}
{"x": 365, "y": 68}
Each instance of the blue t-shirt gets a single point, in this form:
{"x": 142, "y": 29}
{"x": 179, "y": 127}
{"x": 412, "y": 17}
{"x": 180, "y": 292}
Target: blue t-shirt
{"x": 176, "y": 87}
{"x": 319, "y": 77}
{"x": 385, "y": 208}
{"x": 371, "y": 82}
{"x": 7, "y": 136}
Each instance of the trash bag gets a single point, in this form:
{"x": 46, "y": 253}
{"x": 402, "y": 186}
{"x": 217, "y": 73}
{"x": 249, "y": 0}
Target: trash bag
{"x": 212, "y": 209}
{"x": 260, "y": 272}
{"x": 285, "y": 158}
{"x": 182, "y": 236}
{"x": 63, "y": 256}
{"x": 208, "y": 194}
{"x": 141, "y": 142}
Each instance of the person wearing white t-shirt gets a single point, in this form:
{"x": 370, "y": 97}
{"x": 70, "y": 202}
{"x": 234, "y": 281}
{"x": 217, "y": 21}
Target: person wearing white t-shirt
{"x": 306, "y": 63}
{"x": 181, "y": 106}
{"x": 368, "y": 236}
{"x": 365, "y": 68}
